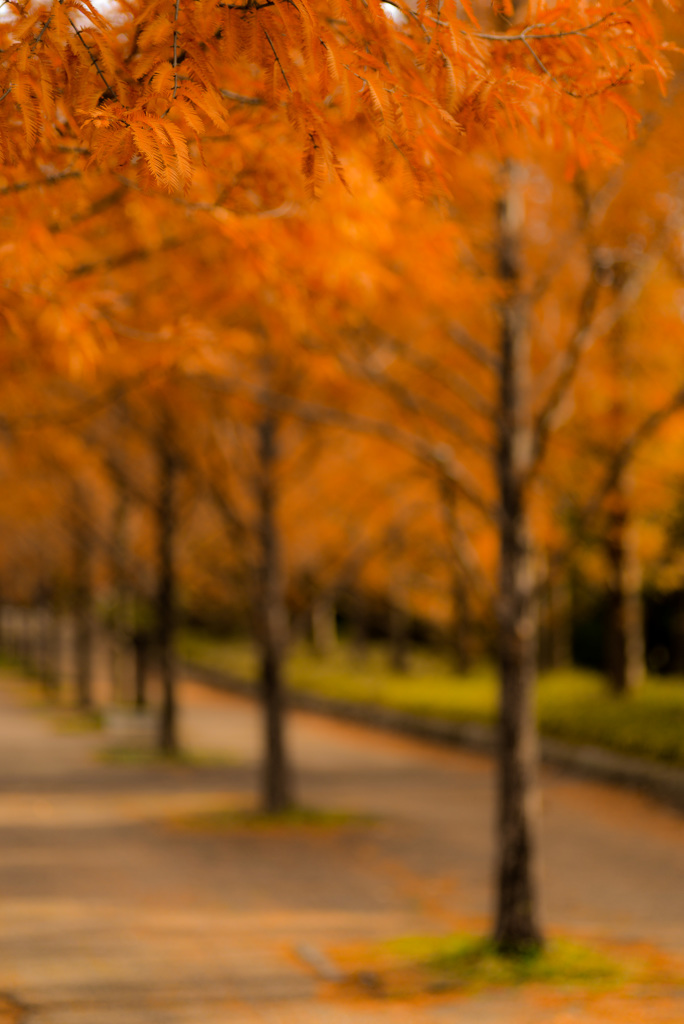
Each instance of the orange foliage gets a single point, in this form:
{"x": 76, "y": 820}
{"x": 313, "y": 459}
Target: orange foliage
{"x": 143, "y": 87}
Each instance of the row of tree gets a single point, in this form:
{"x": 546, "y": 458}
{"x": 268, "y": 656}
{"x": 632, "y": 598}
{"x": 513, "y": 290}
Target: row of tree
{"x": 181, "y": 322}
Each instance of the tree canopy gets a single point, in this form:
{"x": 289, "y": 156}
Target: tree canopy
{"x": 147, "y": 87}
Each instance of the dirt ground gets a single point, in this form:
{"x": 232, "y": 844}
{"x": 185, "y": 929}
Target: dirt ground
{"x": 115, "y": 907}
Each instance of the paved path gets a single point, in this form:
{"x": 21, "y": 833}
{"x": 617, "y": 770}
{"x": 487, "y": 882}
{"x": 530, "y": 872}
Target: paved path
{"x": 113, "y": 912}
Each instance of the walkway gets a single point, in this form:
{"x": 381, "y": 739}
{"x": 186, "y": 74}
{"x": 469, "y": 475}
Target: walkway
{"x": 113, "y": 911}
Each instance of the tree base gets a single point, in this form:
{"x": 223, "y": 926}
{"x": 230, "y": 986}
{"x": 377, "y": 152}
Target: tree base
{"x": 518, "y": 944}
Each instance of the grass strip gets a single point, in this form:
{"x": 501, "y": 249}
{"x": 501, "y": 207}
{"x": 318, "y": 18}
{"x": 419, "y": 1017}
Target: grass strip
{"x": 418, "y": 965}
{"x": 575, "y": 705}
{"x": 293, "y": 819}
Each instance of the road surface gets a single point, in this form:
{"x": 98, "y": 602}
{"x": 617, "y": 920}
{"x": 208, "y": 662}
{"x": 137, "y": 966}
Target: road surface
{"x": 113, "y": 910}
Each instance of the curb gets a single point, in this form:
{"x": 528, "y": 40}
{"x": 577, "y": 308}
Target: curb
{"x": 660, "y": 781}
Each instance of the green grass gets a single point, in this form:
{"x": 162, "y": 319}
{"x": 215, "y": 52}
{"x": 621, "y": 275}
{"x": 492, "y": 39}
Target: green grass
{"x": 144, "y": 757}
{"x": 423, "y": 965}
{"x": 474, "y": 962}
{"x": 294, "y": 818}
{"x": 577, "y": 706}
{"x": 573, "y": 704}
{"x": 75, "y": 721}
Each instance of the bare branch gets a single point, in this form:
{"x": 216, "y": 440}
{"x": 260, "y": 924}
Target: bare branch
{"x": 436, "y": 371}
{"x": 236, "y": 526}
{"x": 567, "y": 371}
{"x": 419, "y": 405}
{"x": 87, "y": 407}
{"x": 438, "y": 457}
{"x": 236, "y": 97}
{"x": 124, "y": 258}
{"x": 590, "y": 328}
{"x": 525, "y": 36}
{"x": 459, "y": 336}
{"x": 286, "y": 209}
{"x": 270, "y": 43}
{"x": 53, "y": 179}
{"x": 631, "y": 446}
{"x": 93, "y": 59}
{"x": 530, "y": 33}
{"x": 595, "y": 207}
{"x": 251, "y": 5}
{"x": 461, "y": 546}
{"x": 99, "y": 206}
{"x": 175, "y": 50}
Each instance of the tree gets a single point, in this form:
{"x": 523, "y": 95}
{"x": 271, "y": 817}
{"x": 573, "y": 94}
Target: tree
{"x": 135, "y": 95}
{"x": 136, "y": 89}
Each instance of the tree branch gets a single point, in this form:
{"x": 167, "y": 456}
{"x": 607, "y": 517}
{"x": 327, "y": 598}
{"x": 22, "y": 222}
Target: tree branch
{"x": 99, "y": 206}
{"x": 590, "y": 328}
{"x": 419, "y": 405}
{"x": 175, "y": 50}
{"x": 459, "y": 336}
{"x": 530, "y": 33}
{"x": 270, "y": 43}
{"x": 438, "y": 457}
{"x": 53, "y": 179}
{"x": 630, "y": 447}
{"x": 236, "y": 97}
{"x": 460, "y": 544}
{"x": 93, "y": 59}
{"x": 124, "y": 258}
{"x": 436, "y": 371}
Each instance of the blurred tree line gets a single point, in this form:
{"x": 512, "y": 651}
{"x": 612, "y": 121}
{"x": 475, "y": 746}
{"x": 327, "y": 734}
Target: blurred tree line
{"x": 443, "y": 401}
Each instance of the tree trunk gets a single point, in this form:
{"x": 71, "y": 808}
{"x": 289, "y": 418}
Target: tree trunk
{"x": 27, "y": 636}
{"x": 677, "y": 634}
{"x": 141, "y": 646}
{"x": 358, "y": 628}
{"x": 555, "y": 643}
{"x": 461, "y": 625}
{"x": 46, "y": 645}
{"x": 272, "y": 625}
{"x": 625, "y": 655}
{"x": 10, "y": 630}
{"x": 560, "y": 613}
{"x": 460, "y": 645}
{"x": 83, "y": 601}
{"x": 56, "y": 645}
{"x": 323, "y": 624}
{"x": 166, "y": 585}
{"x": 517, "y": 915}
{"x": 399, "y": 640}
{"x": 625, "y": 633}
{"x": 398, "y": 622}
{"x": 17, "y": 634}
{"x": 119, "y": 584}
